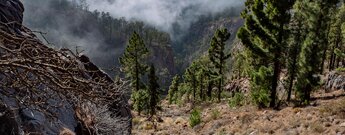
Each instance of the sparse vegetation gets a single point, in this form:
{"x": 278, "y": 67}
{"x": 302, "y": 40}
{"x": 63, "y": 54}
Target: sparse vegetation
{"x": 195, "y": 117}
{"x": 215, "y": 114}
{"x": 237, "y": 100}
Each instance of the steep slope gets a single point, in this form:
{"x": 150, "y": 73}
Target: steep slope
{"x": 196, "y": 41}
{"x": 47, "y": 91}
{"x": 99, "y": 35}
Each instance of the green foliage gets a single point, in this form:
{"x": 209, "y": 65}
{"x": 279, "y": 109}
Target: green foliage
{"x": 198, "y": 80}
{"x": 264, "y": 34}
{"x": 315, "y": 13}
{"x": 134, "y": 66}
{"x": 218, "y": 57}
{"x": 339, "y": 53}
{"x": 297, "y": 36}
{"x": 133, "y": 60}
{"x": 260, "y": 86}
{"x": 241, "y": 63}
{"x": 237, "y": 100}
{"x": 153, "y": 90}
{"x": 173, "y": 89}
{"x": 261, "y": 98}
{"x": 191, "y": 80}
{"x": 140, "y": 100}
{"x": 195, "y": 117}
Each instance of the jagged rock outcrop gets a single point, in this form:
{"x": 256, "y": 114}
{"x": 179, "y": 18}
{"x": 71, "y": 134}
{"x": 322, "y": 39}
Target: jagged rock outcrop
{"x": 50, "y": 92}
{"x": 335, "y": 81}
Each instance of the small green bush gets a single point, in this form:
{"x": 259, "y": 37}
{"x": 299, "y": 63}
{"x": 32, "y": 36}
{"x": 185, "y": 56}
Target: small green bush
{"x": 237, "y": 100}
{"x": 261, "y": 98}
{"x": 195, "y": 118}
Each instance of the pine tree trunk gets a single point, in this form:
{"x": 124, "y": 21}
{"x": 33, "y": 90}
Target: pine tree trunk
{"x": 276, "y": 71}
{"x": 325, "y": 49}
{"x": 293, "y": 67}
{"x": 275, "y": 80}
{"x": 292, "y": 77}
{"x": 209, "y": 89}
{"x": 201, "y": 88}
{"x": 331, "y": 61}
{"x": 323, "y": 60}
{"x": 194, "y": 89}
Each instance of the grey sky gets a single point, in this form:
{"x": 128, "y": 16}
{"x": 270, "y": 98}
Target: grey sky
{"x": 163, "y": 13}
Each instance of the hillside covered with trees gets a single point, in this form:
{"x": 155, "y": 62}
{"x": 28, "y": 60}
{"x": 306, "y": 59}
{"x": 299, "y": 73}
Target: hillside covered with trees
{"x": 264, "y": 67}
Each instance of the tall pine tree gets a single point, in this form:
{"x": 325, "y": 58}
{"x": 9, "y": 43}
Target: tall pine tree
{"x": 133, "y": 60}
{"x": 134, "y": 66}
{"x": 153, "y": 91}
{"x": 297, "y": 36}
{"x": 173, "y": 89}
{"x": 315, "y": 12}
{"x": 218, "y": 56}
{"x": 265, "y": 34}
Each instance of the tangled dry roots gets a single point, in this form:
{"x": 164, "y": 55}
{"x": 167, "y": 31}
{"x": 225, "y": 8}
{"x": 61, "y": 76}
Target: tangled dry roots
{"x": 33, "y": 73}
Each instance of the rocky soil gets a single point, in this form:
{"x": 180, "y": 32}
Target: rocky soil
{"x": 325, "y": 115}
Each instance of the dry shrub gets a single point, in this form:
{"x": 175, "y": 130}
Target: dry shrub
{"x": 99, "y": 119}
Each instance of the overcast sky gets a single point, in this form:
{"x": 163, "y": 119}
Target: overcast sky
{"x": 163, "y": 13}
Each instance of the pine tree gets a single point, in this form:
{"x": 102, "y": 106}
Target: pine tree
{"x": 173, "y": 89}
{"x": 265, "y": 35}
{"x": 335, "y": 36}
{"x": 133, "y": 60}
{"x": 133, "y": 65}
{"x": 190, "y": 79}
{"x": 329, "y": 9}
{"x": 153, "y": 91}
{"x": 315, "y": 12}
{"x": 218, "y": 57}
{"x": 297, "y": 36}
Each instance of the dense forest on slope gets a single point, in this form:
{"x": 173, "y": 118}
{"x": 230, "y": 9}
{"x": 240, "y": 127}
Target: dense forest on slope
{"x": 99, "y": 35}
{"x": 71, "y": 24}
{"x": 269, "y": 67}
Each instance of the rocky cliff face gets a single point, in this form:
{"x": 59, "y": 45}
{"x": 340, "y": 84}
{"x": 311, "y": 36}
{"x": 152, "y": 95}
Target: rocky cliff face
{"x": 47, "y": 91}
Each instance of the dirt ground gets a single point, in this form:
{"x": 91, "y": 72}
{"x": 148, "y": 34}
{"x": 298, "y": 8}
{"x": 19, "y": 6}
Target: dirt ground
{"x": 325, "y": 115}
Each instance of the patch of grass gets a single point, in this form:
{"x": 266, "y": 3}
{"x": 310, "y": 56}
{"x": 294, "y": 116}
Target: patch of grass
{"x": 215, "y": 114}
{"x": 195, "y": 117}
{"x": 237, "y": 100}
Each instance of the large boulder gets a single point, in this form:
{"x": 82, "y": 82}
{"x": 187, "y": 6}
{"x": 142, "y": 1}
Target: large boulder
{"x": 50, "y": 92}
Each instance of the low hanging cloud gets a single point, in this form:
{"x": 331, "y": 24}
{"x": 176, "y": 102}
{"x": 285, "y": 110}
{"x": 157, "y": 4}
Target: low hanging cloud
{"x": 163, "y": 13}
